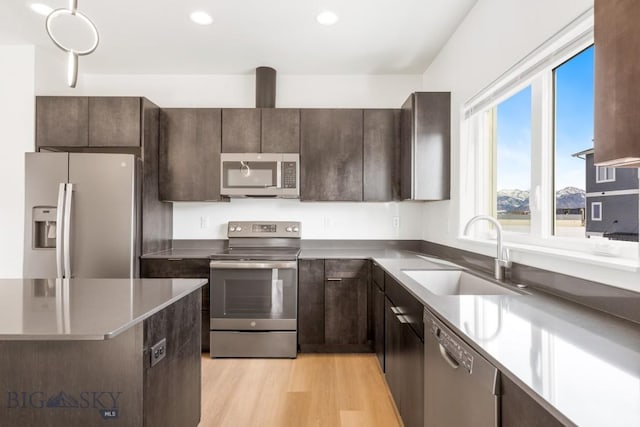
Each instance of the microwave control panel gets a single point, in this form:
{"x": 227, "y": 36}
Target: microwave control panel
{"x": 289, "y": 175}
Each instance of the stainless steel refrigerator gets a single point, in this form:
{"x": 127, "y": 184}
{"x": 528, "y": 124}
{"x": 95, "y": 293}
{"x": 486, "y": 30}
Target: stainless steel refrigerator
{"x": 82, "y": 215}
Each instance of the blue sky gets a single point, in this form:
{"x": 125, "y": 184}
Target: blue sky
{"x": 574, "y": 127}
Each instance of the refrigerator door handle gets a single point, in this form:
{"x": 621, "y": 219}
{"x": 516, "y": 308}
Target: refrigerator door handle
{"x": 59, "y": 227}
{"x": 67, "y": 231}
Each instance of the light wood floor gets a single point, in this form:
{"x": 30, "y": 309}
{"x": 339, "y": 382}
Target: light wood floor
{"x": 312, "y": 390}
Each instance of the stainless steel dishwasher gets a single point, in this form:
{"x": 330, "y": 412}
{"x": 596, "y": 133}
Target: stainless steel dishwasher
{"x": 461, "y": 388}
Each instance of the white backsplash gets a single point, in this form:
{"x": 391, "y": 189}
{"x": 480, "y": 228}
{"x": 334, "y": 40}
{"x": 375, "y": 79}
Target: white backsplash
{"x": 330, "y": 220}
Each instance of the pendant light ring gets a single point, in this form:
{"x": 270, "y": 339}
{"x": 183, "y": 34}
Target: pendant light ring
{"x": 85, "y": 19}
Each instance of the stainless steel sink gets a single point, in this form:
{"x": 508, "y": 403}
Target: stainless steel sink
{"x": 456, "y": 282}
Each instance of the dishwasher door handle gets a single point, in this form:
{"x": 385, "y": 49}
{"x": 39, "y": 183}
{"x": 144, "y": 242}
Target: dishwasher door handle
{"x": 447, "y": 357}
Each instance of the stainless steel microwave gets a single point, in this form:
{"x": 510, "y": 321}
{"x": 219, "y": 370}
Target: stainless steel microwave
{"x": 260, "y": 175}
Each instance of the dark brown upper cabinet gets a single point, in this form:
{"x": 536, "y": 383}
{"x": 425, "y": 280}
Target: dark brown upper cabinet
{"x": 617, "y": 93}
{"x": 62, "y": 121}
{"x": 70, "y": 121}
{"x": 381, "y": 138}
{"x": 280, "y": 130}
{"x": 331, "y": 154}
{"x": 241, "y": 130}
{"x": 114, "y": 121}
{"x": 425, "y": 146}
{"x": 190, "y": 142}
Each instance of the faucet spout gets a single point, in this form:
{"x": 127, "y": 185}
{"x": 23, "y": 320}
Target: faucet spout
{"x": 501, "y": 261}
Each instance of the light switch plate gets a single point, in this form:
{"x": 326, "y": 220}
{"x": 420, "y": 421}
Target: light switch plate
{"x": 158, "y": 351}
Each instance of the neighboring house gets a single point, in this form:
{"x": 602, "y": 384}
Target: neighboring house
{"x": 611, "y": 200}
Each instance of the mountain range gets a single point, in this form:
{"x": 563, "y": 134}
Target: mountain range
{"x": 518, "y": 200}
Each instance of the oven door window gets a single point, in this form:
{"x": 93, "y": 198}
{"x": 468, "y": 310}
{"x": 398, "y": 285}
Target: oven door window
{"x": 250, "y": 174}
{"x": 261, "y": 294}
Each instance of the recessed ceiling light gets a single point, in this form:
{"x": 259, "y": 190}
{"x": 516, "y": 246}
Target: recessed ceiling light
{"x": 202, "y": 18}
{"x": 41, "y": 9}
{"x": 327, "y": 18}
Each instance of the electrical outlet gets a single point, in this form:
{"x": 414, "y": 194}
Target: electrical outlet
{"x": 396, "y": 222}
{"x": 158, "y": 351}
{"x": 204, "y": 221}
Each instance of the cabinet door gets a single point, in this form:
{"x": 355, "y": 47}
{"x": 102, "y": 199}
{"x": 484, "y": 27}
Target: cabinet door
{"x": 310, "y": 303}
{"x": 518, "y": 409}
{"x": 346, "y": 303}
{"x": 331, "y": 154}
{"x": 280, "y": 130}
{"x": 190, "y": 154}
{"x": 114, "y": 122}
{"x": 183, "y": 268}
{"x": 62, "y": 121}
{"x": 378, "y": 325}
{"x": 617, "y": 67}
{"x": 241, "y": 130}
{"x": 381, "y": 139}
{"x": 407, "y": 304}
{"x": 404, "y": 363}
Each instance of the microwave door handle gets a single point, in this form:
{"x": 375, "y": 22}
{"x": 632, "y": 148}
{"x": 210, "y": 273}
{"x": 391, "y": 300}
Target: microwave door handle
{"x": 278, "y": 174}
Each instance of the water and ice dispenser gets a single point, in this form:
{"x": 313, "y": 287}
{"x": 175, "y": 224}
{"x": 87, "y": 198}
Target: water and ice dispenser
{"x": 44, "y": 227}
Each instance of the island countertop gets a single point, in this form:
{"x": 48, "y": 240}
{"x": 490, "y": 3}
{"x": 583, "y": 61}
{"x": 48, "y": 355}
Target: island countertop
{"x": 83, "y": 309}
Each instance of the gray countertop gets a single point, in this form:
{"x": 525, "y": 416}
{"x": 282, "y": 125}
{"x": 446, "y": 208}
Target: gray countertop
{"x": 582, "y": 365}
{"x": 83, "y": 309}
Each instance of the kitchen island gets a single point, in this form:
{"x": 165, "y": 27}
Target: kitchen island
{"x": 117, "y": 352}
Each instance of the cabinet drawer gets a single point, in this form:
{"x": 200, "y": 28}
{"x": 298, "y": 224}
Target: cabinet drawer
{"x": 346, "y": 268}
{"x": 377, "y": 273}
{"x": 406, "y": 304}
{"x": 179, "y": 267}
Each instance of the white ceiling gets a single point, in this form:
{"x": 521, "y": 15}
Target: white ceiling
{"x": 157, "y": 36}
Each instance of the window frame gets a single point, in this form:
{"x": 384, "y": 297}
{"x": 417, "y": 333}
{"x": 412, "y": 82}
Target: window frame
{"x": 478, "y": 177}
{"x": 605, "y": 169}
{"x": 593, "y": 206}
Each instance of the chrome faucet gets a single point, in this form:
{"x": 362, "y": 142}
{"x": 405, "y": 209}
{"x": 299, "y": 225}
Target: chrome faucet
{"x": 501, "y": 263}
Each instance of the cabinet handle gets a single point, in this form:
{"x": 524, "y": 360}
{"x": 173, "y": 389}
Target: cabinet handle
{"x": 396, "y": 310}
{"x": 402, "y": 319}
{"x": 334, "y": 279}
{"x": 174, "y": 259}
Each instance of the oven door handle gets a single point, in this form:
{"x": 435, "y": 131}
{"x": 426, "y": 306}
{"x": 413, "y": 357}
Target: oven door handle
{"x": 251, "y": 265}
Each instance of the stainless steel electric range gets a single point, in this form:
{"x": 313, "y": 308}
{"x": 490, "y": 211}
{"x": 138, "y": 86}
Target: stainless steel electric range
{"x": 254, "y": 291}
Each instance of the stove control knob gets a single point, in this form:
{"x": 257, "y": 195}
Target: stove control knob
{"x": 232, "y": 228}
{"x": 238, "y": 228}
{"x": 296, "y": 229}
{"x": 289, "y": 229}
{"x": 253, "y": 324}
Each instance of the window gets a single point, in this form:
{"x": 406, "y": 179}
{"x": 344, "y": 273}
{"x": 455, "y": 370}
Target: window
{"x": 527, "y": 154}
{"x": 512, "y": 161}
{"x": 596, "y": 211}
{"x": 605, "y": 174}
{"x": 573, "y": 92}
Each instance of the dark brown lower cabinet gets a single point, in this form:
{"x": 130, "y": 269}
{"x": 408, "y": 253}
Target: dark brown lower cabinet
{"x": 378, "y": 325}
{"x": 518, "y": 409}
{"x": 186, "y": 268}
{"x": 334, "y": 305}
{"x": 310, "y": 304}
{"x": 404, "y": 367}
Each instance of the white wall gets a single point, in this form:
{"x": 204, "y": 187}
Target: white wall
{"x": 320, "y": 220}
{"x": 493, "y": 37}
{"x": 17, "y": 118}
